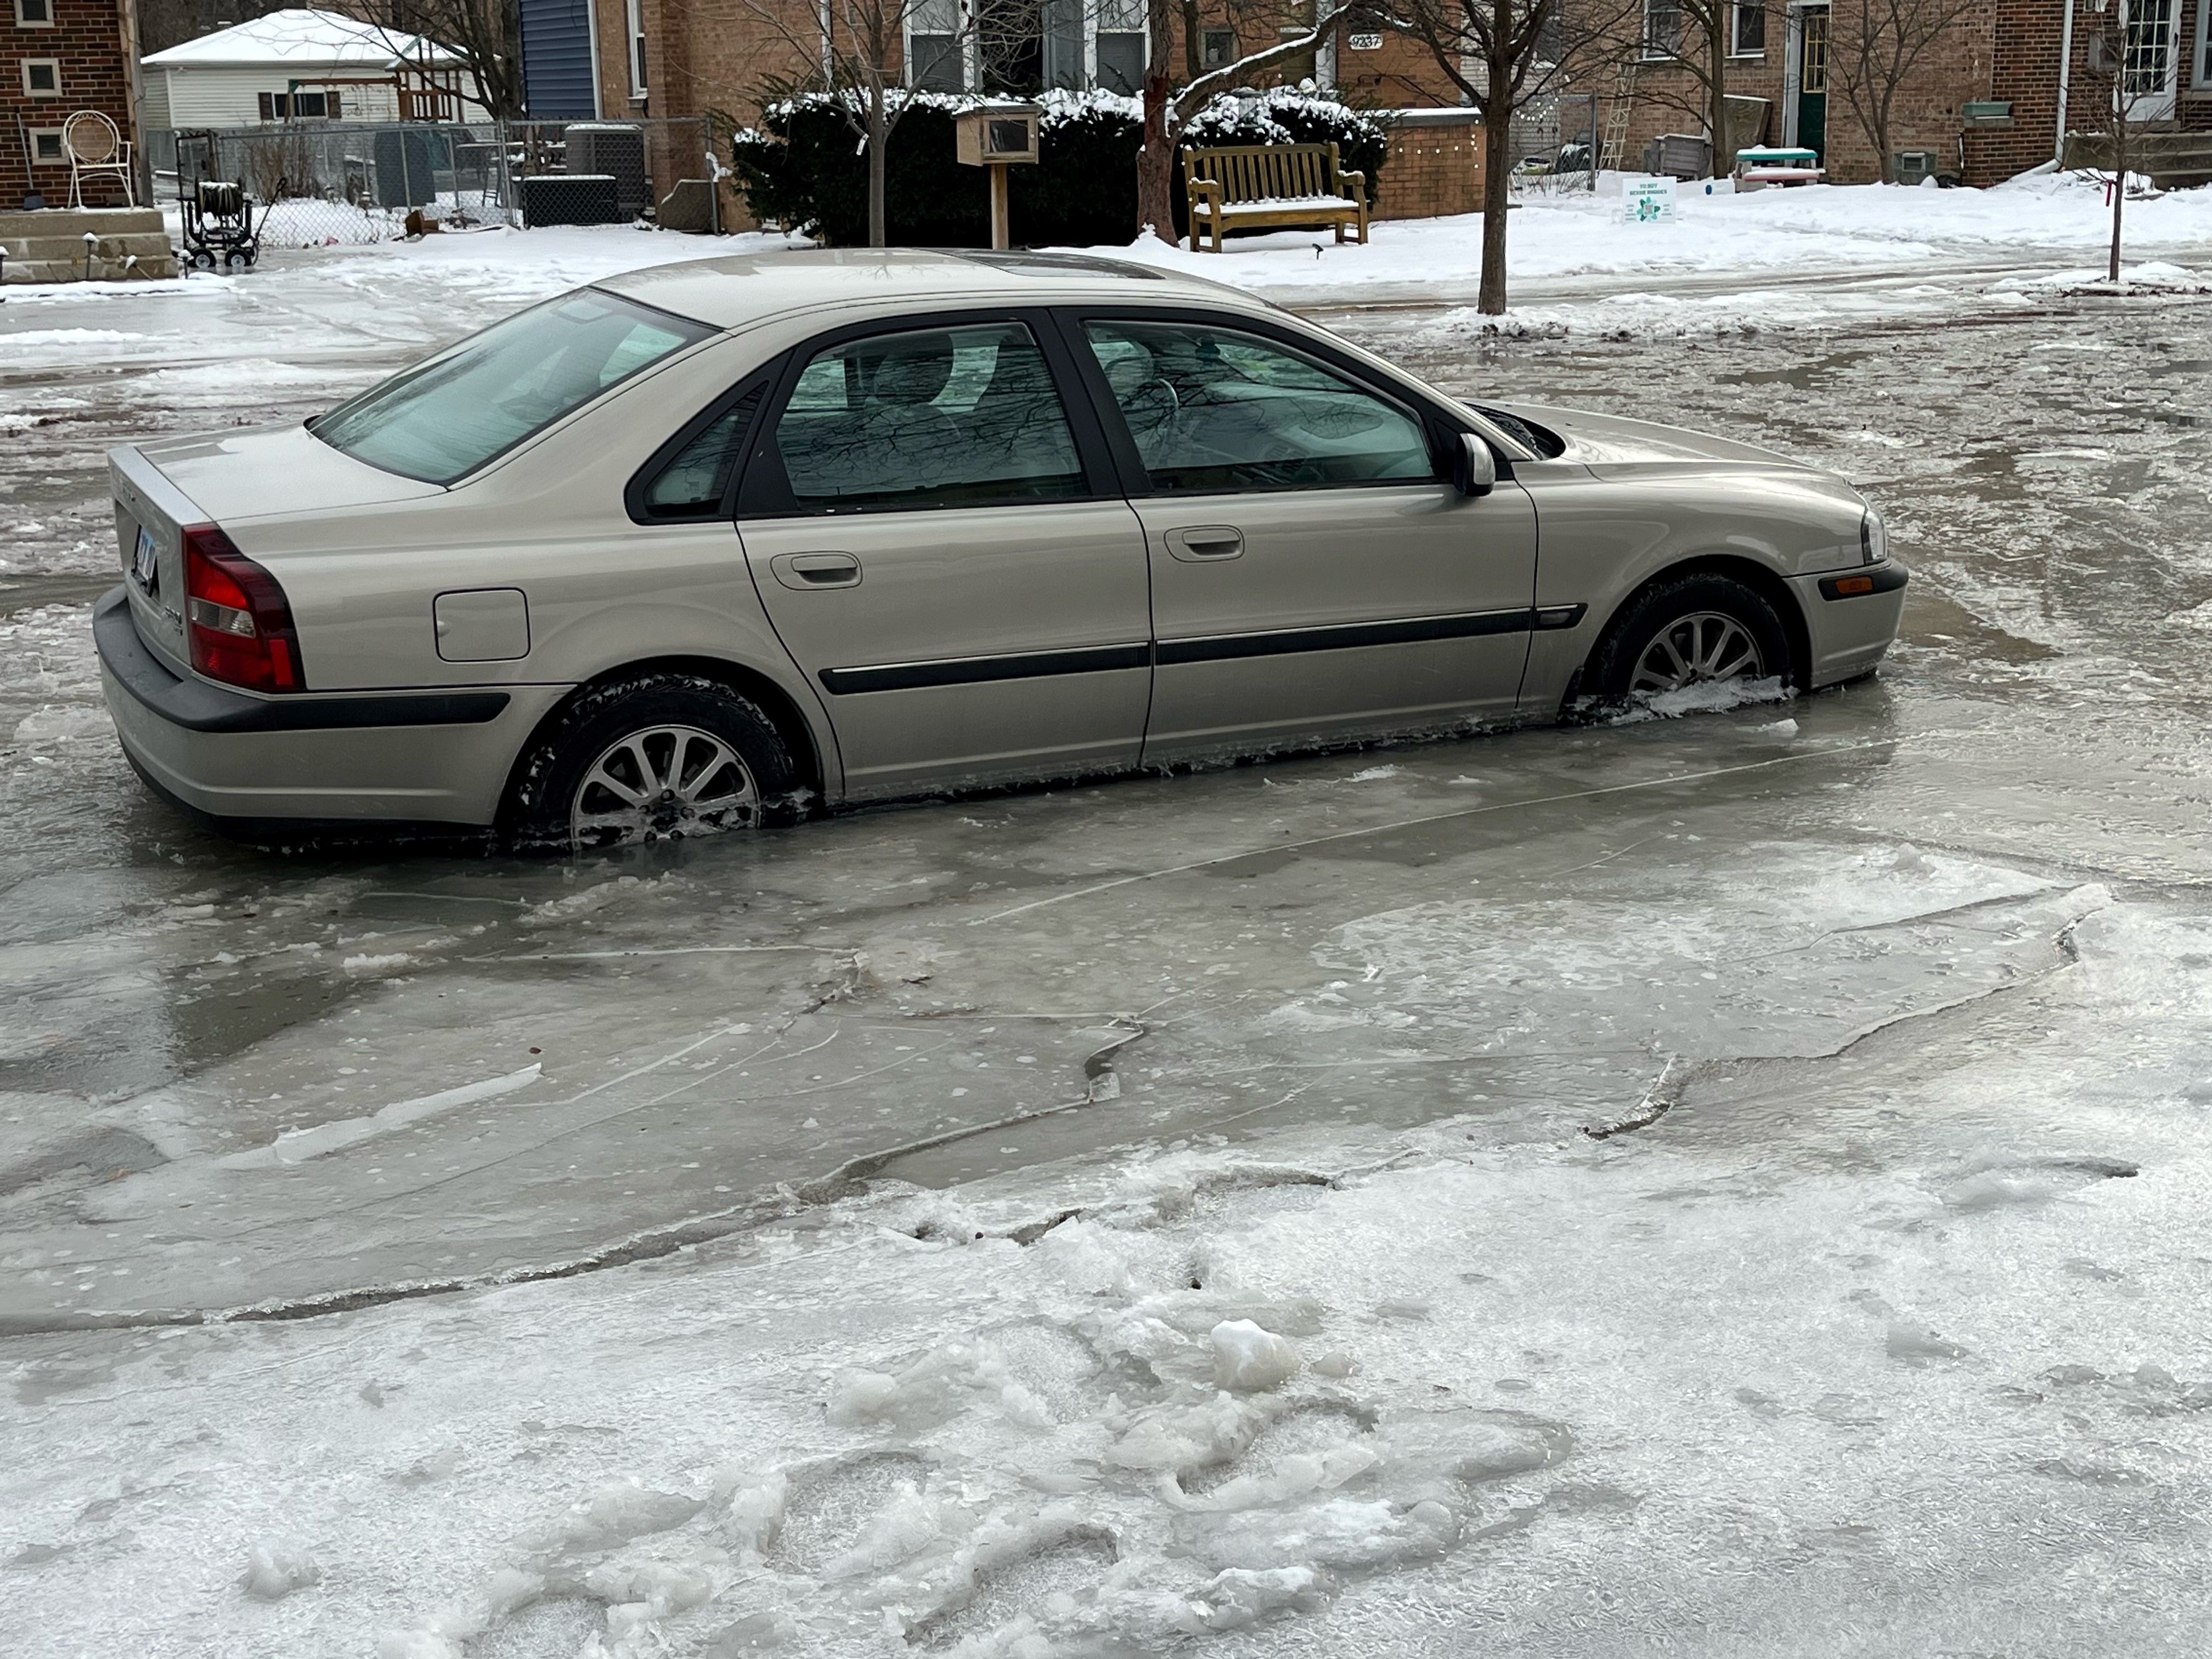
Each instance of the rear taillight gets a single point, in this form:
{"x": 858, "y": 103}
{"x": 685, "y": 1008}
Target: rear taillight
{"x": 237, "y": 617}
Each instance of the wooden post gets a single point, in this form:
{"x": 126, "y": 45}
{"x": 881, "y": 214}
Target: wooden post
{"x": 1000, "y": 237}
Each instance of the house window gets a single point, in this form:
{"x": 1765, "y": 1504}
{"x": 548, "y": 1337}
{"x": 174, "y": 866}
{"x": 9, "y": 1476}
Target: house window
{"x": 934, "y": 61}
{"x": 47, "y": 147}
{"x": 1813, "y": 62}
{"x": 1747, "y": 30}
{"x": 1220, "y": 48}
{"x": 636, "y": 16}
{"x": 42, "y": 77}
{"x": 2203, "y": 76}
{"x": 34, "y": 14}
{"x": 1121, "y": 46}
{"x": 1662, "y": 29}
{"x": 299, "y": 105}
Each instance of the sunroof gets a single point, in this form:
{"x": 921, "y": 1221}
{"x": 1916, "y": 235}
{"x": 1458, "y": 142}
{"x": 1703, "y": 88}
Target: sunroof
{"x": 1032, "y": 263}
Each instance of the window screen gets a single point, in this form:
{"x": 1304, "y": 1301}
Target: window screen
{"x": 1215, "y": 410}
{"x": 942, "y": 417}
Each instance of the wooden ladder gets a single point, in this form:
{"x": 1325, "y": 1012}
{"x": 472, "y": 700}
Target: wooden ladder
{"x": 1616, "y": 118}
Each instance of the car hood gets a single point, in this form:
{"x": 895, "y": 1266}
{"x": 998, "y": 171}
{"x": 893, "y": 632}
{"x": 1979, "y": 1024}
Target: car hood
{"x": 260, "y": 472}
{"x": 1611, "y": 441}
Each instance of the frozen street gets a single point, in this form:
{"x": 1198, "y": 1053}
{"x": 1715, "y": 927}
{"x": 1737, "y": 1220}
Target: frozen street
{"x": 1731, "y": 1183}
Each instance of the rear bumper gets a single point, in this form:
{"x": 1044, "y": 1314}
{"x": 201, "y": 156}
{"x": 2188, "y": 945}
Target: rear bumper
{"x": 257, "y": 764}
{"x": 1849, "y": 632}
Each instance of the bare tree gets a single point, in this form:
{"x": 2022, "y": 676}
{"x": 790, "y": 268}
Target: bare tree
{"x": 1502, "y": 54}
{"x": 1168, "y": 106}
{"x": 1873, "y": 46}
{"x": 860, "y": 47}
{"x": 485, "y": 35}
{"x": 481, "y": 38}
{"x": 2117, "y": 88}
{"x": 1694, "y": 36}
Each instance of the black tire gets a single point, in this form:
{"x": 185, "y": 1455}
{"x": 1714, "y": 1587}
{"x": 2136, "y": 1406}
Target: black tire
{"x": 1612, "y": 667}
{"x": 545, "y": 794}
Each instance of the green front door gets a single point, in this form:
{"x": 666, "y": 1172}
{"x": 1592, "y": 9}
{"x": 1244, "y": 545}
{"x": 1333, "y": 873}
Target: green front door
{"x": 1812, "y": 82}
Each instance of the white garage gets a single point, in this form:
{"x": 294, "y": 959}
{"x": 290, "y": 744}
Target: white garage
{"x": 306, "y": 66}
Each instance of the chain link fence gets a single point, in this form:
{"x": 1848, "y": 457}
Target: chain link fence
{"x": 1555, "y": 143}
{"x": 326, "y": 183}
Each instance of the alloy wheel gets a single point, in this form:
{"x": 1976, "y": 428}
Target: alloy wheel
{"x": 662, "y": 783}
{"x": 1706, "y": 645}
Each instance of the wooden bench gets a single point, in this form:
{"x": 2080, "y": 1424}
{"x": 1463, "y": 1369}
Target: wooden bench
{"x": 1272, "y": 185}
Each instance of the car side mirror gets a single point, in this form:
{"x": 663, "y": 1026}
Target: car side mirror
{"x": 1474, "y": 470}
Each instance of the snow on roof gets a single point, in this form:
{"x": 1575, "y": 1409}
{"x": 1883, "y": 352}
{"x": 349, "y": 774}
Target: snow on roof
{"x": 300, "y": 37}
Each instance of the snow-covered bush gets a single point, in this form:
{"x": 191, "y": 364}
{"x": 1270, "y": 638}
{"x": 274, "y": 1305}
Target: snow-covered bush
{"x": 803, "y": 166}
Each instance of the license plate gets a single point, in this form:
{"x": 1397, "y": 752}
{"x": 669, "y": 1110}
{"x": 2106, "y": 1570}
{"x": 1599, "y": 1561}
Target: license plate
{"x": 146, "y": 561}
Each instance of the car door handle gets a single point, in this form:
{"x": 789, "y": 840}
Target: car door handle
{"x": 807, "y": 571}
{"x": 1201, "y": 543}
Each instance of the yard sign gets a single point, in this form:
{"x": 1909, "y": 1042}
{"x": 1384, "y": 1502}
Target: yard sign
{"x": 1647, "y": 201}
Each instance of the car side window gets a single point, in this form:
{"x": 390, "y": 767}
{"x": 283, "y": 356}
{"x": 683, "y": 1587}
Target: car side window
{"x": 1216, "y": 408}
{"x": 965, "y": 417}
{"x": 696, "y": 483}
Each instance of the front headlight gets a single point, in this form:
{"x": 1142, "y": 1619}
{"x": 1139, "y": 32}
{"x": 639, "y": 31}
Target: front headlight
{"x": 1874, "y": 539}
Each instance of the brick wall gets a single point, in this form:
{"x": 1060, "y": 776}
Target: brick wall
{"x": 1396, "y": 73}
{"x": 86, "y": 38}
{"x": 2005, "y": 50}
{"x": 1435, "y": 166}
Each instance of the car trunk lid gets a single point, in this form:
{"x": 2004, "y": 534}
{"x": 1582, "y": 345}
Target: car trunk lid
{"x": 161, "y": 489}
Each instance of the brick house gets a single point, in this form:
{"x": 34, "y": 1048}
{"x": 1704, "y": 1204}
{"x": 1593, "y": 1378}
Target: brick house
{"x": 1982, "y": 104}
{"x": 58, "y": 57}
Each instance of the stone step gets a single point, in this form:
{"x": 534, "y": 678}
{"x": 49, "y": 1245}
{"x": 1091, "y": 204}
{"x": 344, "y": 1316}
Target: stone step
{"x": 48, "y": 246}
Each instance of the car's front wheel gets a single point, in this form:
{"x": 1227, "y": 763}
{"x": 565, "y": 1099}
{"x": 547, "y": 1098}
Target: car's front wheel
{"x": 1701, "y": 628}
{"x": 660, "y": 756}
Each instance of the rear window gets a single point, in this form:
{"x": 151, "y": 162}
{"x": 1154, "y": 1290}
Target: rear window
{"x": 442, "y": 420}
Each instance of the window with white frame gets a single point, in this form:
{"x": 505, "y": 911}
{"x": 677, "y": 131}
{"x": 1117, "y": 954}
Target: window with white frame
{"x": 299, "y": 105}
{"x": 1662, "y": 29}
{"x": 42, "y": 77}
{"x": 34, "y": 14}
{"x": 2202, "y": 56}
{"x": 1121, "y": 46}
{"x": 633, "y": 28}
{"x": 1747, "y": 30}
{"x": 47, "y": 147}
{"x": 935, "y": 60}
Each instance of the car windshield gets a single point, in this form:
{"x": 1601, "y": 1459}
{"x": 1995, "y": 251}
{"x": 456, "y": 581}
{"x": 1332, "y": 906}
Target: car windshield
{"x": 443, "y": 419}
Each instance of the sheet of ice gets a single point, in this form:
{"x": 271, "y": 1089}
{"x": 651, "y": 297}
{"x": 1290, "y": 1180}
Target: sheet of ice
{"x": 1753, "y": 1384}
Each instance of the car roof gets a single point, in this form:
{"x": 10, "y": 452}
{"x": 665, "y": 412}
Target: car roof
{"x": 739, "y": 288}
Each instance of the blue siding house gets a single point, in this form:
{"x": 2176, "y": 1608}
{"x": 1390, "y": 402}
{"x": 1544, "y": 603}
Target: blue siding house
{"x": 559, "y": 78}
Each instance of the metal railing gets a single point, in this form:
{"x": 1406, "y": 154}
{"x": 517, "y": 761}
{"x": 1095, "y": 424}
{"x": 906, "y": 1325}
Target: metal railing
{"x": 326, "y": 183}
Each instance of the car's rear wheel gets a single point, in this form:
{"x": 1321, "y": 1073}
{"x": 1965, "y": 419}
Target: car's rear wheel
{"x": 1695, "y": 629}
{"x": 665, "y": 756}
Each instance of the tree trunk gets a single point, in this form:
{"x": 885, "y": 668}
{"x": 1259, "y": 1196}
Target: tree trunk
{"x": 2119, "y": 194}
{"x": 1716, "y": 42}
{"x": 878, "y": 133}
{"x": 1156, "y": 160}
{"x": 1194, "y": 63}
{"x": 1497, "y": 171}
